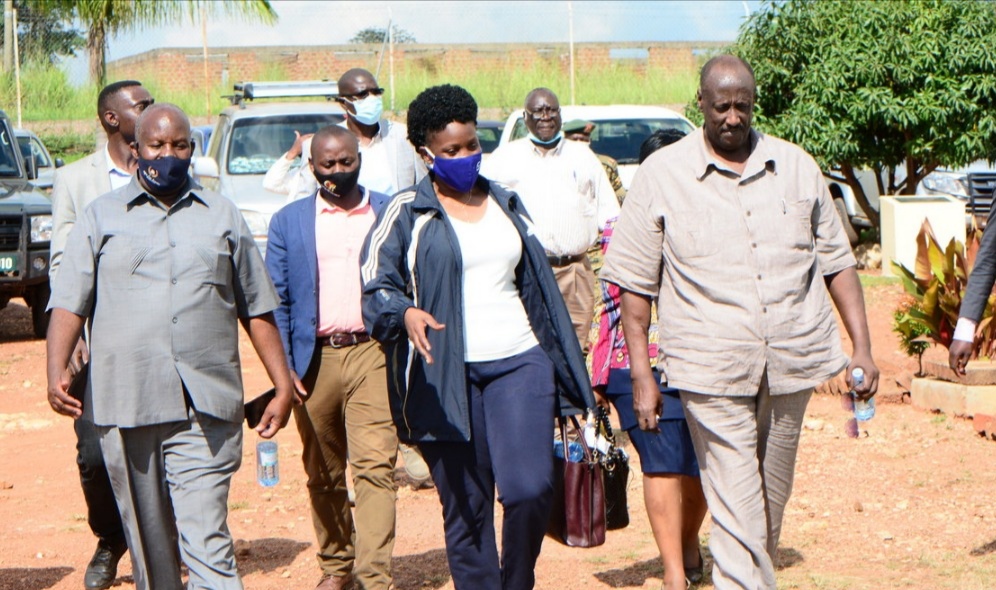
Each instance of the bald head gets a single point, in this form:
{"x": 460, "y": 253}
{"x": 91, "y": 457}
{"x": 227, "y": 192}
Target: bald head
{"x": 161, "y": 116}
{"x": 333, "y": 134}
{"x": 726, "y": 68}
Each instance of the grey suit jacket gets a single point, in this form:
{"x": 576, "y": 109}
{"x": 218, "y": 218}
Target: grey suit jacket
{"x": 75, "y": 186}
{"x": 982, "y": 275}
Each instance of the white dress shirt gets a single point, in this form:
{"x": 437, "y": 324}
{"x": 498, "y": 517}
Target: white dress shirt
{"x": 565, "y": 190}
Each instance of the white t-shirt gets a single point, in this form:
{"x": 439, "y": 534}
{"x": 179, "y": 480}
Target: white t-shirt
{"x": 495, "y": 325}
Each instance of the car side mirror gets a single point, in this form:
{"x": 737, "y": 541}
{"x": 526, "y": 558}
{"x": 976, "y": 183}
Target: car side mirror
{"x": 59, "y": 162}
{"x": 205, "y": 167}
{"x": 32, "y": 168}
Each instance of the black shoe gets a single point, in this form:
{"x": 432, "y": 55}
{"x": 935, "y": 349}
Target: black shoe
{"x": 103, "y": 567}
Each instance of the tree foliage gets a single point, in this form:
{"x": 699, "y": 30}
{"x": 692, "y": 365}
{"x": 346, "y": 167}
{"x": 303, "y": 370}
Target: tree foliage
{"x": 104, "y": 18}
{"x": 43, "y": 36}
{"x": 379, "y": 35}
{"x": 879, "y": 85}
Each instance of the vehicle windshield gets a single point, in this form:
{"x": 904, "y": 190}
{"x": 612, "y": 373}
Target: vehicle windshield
{"x": 620, "y": 139}
{"x": 8, "y": 161}
{"x": 256, "y": 143}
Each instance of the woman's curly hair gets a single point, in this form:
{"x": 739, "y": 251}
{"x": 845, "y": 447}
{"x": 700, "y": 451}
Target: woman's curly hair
{"x": 435, "y": 108}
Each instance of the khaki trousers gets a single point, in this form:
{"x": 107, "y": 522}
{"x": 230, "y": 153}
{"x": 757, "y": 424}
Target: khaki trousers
{"x": 746, "y": 448}
{"x": 576, "y": 282}
{"x": 347, "y": 417}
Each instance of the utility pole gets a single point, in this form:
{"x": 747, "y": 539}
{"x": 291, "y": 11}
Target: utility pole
{"x": 8, "y": 35}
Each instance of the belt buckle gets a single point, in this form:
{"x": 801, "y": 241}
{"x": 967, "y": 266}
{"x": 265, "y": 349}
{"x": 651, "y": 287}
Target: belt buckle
{"x": 346, "y": 340}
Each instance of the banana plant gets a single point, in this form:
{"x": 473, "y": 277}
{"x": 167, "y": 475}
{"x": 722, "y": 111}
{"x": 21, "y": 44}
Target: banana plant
{"x": 937, "y": 284}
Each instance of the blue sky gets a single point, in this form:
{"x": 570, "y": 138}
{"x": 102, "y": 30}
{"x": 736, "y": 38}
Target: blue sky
{"x": 319, "y": 23}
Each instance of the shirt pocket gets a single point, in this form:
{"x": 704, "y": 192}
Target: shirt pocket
{"x": 799, "y": 226}
{"x": 127, "y": 264}
{"x": 699, "y": 233}
{"x": 215, "y": 268}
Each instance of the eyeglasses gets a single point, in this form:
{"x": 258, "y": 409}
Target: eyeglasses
{"x": 543, "y": 113}
{"x": 361, "y": 95}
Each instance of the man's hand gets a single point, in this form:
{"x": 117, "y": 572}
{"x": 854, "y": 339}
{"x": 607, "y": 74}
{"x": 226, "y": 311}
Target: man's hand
{"x": 647, "y": 403}
{"x": 59, "y": 398}
{"x": 958, "y": 354}
{"x": 298, "y": 146}
{"x": 416, "y": 323}
{"x": 867, "y": 389}
{"x": 300, "y": 392}
{"x": 277, "y": 413}
{"x": 80, "y": 357}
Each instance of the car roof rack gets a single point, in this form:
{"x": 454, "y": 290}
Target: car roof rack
{"x": 246, "y": 91}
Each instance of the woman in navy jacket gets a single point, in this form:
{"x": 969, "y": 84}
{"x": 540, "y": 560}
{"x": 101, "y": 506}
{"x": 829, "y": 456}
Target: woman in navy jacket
{"x": 481, "y": 350}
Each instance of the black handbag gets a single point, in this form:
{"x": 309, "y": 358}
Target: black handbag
{"x": 615, "y": 474}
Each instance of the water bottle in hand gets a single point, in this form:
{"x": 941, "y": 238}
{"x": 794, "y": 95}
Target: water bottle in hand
{"x": 267, "y": 465}
{"x": 864, "y": 410}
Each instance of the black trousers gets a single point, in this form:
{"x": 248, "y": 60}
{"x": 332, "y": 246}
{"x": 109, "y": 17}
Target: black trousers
{"x": 102, "y": 510}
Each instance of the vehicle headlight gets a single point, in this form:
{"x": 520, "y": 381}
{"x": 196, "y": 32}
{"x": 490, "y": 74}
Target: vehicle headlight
{"x": 41, "y": 228}
{"x": 257, "y": 222}
{"x": 947, "y": 183}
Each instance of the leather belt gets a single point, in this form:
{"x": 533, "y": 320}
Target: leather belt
{"x": 344, "y": 339}
{"x": 564, "y": 260}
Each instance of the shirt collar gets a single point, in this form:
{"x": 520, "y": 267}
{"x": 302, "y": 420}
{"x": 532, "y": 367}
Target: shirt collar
{"x": 135, "y": 195}
{"x": 112, "y": 168}
{"x": 555, "y": 151}
{"x": 323, "y": 206}
{"x": 761, "y": 158}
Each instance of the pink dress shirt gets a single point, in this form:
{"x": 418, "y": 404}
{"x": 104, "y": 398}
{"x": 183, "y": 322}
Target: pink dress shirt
{"x": 339, "y": 236}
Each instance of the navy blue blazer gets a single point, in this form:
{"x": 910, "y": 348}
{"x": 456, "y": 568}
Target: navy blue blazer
{"x": 292, "y": 261}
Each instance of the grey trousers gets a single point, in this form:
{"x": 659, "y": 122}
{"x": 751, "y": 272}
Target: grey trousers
{"x": 746, "y": 448}
{"x": 171, "y": 483}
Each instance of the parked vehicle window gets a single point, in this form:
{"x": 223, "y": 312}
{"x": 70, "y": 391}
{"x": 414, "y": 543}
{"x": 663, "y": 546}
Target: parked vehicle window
{"x": 8, "y": 161}
{"x": 620, "y": 138}
{"x": 256, "y": 143}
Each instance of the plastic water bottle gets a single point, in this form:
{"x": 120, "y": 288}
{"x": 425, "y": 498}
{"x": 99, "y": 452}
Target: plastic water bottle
{"x": 267, "y": 465}
{"x": 863, "y": 410}
{"x": 575, "y": 452}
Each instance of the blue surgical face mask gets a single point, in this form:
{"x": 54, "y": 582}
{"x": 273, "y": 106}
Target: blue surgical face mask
{"x": 164, "y": 176}
{"x": 368, "y": 110}
{"x": 551, "y": 141}
{"x": 460, "y": 174}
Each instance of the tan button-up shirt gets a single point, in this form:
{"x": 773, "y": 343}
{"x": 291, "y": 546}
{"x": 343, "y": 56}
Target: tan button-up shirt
{"x": 737, "y": 263}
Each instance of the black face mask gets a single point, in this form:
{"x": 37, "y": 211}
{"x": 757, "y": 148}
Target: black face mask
{"x": 164, "y": 176}
{"x": 338, "y": 184}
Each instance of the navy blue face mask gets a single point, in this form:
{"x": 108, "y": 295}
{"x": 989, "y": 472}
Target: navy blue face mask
{"x": 164, "y": 176}
{"x": 460, "y": 174}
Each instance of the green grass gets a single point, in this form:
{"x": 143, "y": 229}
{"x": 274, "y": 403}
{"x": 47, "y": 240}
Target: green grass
{"x": 506, "y": 90}
{"x": 47, "y": 95}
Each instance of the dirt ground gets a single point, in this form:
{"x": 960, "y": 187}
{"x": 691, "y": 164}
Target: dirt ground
{"x": 910, "y": 505}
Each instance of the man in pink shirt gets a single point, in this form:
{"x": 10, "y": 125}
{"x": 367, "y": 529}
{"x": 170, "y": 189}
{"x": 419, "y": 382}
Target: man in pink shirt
{"x": 313, "y": 258}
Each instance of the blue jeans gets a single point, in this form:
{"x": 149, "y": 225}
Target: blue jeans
{"x": 512, "y": 406}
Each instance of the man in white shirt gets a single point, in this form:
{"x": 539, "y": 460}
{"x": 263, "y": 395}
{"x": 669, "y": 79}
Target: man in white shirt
{"x": 390, "y": 163}
{"x": 567, "y": 194}
{"x": 75, "y": 186}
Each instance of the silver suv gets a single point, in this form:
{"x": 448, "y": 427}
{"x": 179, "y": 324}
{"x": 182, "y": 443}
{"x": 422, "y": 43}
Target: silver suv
{"x": 249, "y": 137}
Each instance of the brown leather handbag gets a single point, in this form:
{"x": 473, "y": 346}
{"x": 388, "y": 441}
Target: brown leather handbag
{"x": 577, "y": 513}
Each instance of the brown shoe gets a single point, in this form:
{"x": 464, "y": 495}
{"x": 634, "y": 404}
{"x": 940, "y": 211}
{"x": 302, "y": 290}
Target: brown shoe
{"x": 330, "y": 582}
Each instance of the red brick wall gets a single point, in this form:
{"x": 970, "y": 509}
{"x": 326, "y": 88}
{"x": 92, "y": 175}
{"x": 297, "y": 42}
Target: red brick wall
{"x": 183, "y": 68}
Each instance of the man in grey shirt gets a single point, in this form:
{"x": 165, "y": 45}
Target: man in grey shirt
{"x": 163, "y": 270}
{"x": 735, "y": 234}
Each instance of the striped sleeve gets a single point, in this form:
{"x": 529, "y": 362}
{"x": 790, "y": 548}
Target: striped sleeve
{"x": 384, "y": 271}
